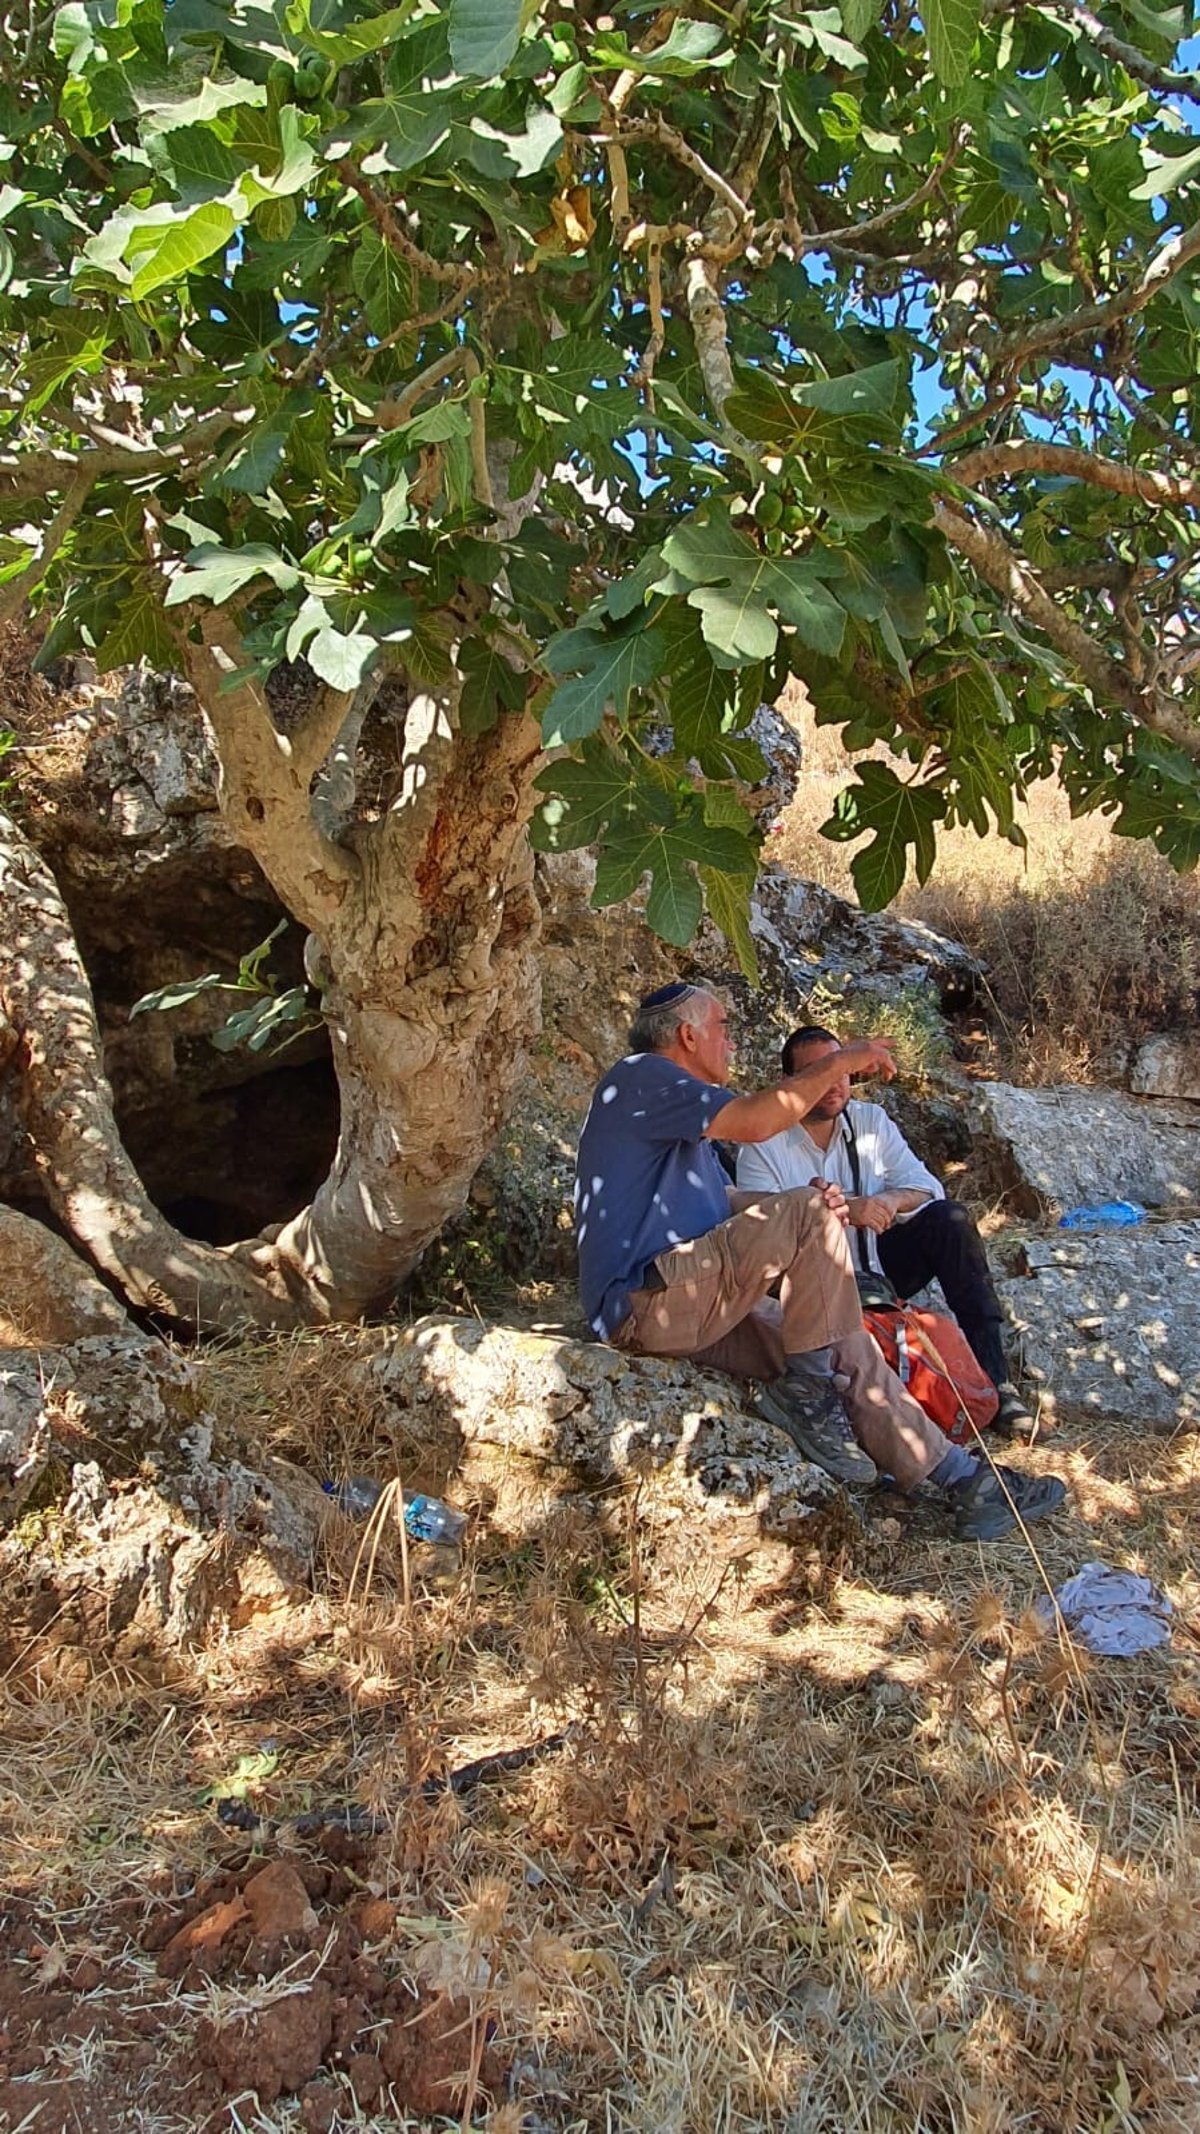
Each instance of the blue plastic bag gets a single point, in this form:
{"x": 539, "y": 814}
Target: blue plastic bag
{"x": 1103, "y": 1215}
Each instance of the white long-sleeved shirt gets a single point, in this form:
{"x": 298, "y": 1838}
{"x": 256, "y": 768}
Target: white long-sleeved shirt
{"x": 885, "y": 1160}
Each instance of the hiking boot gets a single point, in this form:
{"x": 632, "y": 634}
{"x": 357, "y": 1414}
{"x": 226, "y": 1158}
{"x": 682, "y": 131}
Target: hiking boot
{"x": 1013, "y": 1418}
{"x": 816, "y": 1423}
{"x": 982, "y": 1510}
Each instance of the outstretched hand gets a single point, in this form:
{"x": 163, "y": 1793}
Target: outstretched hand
{"x": 869, "y": 1056}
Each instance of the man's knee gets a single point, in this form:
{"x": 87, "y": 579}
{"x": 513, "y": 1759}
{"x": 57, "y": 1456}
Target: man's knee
{"x": 946, "y": 1215}
{"x": 784, "y": 1217}
{"x": 952, "y": 1239}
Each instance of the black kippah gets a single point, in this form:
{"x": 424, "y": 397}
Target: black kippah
{"x": 665, "y": 995}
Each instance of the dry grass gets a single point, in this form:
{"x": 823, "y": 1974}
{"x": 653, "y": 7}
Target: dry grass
{"x": 1091, "y": 942}
{"x": 859, "y": 1852}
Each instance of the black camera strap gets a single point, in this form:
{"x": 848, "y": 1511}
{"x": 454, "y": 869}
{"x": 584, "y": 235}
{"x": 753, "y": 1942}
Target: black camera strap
{"x": 860, "y": 1236}
{"x": 874, "y": 1289}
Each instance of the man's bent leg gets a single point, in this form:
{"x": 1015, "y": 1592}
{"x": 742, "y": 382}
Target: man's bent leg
{"x": 754, "y": 1349}
{"x": 712, "y": 1285}
{"x": 706, "y": 1310}
{"x": 887, "y": 1421}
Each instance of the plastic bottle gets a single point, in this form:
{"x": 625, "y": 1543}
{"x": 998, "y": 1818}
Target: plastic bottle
{"x": 425, "y": 1518}
{"x": 357, "y": 1497}
{"x": 1103, "y": 1215}
{"x": 428, "y": 1519}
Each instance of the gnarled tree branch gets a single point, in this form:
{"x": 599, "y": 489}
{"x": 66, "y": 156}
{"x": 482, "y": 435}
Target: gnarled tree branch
{"x": 41, "y": 474}
{"x": 1030, "y": 456}
{"x": 383, "y": 215}
{"x": 18, "y": 589}
{"x": 66, "y": 1106}
{"x": 1093, "y": 320}
{"x": 802, "y": 241}
{"x": 265, "y": 783}
{"x": 989, "y": 554}
{"x": 724, "y": 234}
{"x": 666, "y": 137}
{"x": 1126, "y": 55}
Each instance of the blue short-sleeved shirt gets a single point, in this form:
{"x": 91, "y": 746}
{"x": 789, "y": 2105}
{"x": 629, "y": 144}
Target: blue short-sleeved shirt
{"x": 645, "y": 1180}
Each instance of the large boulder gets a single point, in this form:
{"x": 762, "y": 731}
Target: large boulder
{"x": 1166, "y": 1065}
{"x": 521, "y": 1418}
{"x": 145, "y": 1525}
{"x": 1056, "y": 1148}
{"x": 1110, "y": 1323}
{"x": 806, "y": 933}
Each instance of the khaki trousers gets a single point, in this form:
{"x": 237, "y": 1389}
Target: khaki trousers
{"x": 715, "y": 1309}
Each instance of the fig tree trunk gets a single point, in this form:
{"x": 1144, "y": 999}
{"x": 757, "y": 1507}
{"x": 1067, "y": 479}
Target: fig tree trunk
{"x": 423, "y": 924}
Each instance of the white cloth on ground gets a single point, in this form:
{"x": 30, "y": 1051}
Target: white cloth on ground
{"x": 1116, "y": 1613}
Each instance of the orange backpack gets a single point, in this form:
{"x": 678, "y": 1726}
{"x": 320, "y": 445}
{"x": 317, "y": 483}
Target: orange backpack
{"x": 929, "y": 1353}
{"x": 934, "y": 1360}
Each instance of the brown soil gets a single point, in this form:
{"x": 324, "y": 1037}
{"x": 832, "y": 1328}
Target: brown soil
{"x": 311, "y": 1985}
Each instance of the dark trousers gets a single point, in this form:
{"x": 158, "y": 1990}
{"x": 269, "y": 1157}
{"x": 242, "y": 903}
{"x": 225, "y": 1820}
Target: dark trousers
{"x": 940, "y": 1241}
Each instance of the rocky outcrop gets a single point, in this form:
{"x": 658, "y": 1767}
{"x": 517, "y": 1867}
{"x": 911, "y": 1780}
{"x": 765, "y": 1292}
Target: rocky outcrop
{"x": 1110, "y": 1323}
{"x": 24, "y": 1430}
{"x": 1167, "y": 1065}
{"x": 1055, "y": 1148}
{"x": 520, "y": 1418}
{"x": 805, "y": 932}
{"x": 127, "y": 1508}
{"x": 150, "y": 1528}
{"x": 815, "y": 947}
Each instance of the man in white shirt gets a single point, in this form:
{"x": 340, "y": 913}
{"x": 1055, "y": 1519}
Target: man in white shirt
{"x": 905, "y": 1228}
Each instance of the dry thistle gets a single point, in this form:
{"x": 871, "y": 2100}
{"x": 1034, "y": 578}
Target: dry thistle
{"x": 989, "y": 1614}
{"x": 485, "y": 1910}
{"x": 1061, "y": 1668}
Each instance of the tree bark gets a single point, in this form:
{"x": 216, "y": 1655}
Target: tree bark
{"x": 431, "y": 991}
{"x": 424, "y": 930}
{"x": 66, "y": 1108}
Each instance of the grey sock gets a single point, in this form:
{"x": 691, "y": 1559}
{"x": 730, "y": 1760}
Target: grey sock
{"x": 814, "y": 1371}
{"x": 956, "y": 1466}
{"x": 814, "y": 1364}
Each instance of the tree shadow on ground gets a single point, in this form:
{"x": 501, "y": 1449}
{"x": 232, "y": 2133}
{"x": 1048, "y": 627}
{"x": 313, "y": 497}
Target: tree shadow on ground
{"x": 838, "y": 1841}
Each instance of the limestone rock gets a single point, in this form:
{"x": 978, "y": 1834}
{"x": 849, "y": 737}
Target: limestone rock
{"x": 804, "y": 930}
{"x": 1065, "y": 1145}
{"x": 167, "y": 1537}
{"x": 498, "y": 1397}
{"x": 48, "y": 1294}
{"x": 595, "y": 965}
{"x": 811, "y": 941}
{"x": 24, "y": 1431}
{"x": 1167, "y": 1065}
{"x": 782, "y": 747}
{"x": 518, "y": 1222}
{"x": 1110, "y": 1323}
